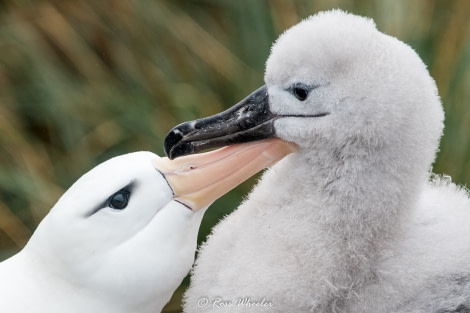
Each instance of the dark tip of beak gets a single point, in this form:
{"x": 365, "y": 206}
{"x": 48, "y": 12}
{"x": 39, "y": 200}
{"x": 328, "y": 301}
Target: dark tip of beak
{"x": 171, "y": 141}
{"x": 181, "y": 149}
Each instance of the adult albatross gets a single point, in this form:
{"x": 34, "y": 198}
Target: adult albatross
{"x": 354, "y": 221}
{"x": 123, "y": 237}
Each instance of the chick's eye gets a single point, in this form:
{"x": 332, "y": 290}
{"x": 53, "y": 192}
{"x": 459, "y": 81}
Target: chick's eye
{"x": 119, "y": 200}
{"x": 300, "y": 92}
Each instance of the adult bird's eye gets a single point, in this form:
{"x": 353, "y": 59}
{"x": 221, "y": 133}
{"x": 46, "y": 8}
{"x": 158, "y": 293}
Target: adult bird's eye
{"x": 119, "y": 200}
{"x": 300, "y": 91}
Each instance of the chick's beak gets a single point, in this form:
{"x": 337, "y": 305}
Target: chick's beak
{"x": 200, "y": 179}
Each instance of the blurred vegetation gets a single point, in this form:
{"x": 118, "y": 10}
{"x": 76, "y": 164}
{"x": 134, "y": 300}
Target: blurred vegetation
{"x": 82, "y": 81}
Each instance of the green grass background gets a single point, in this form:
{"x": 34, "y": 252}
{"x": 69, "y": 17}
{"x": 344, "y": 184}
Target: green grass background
{"x": 82, "y": 81}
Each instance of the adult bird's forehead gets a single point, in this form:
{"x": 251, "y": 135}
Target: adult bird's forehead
{"x": 108, "y": 177}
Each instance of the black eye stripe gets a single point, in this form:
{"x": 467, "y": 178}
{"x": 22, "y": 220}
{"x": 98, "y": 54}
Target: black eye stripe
{"x": 125, "y": 192}
{"x": 119, "y": 200}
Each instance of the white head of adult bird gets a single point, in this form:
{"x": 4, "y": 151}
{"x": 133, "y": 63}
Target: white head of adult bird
{"x": 351, "y": 222}
{"x": 123, "y": 237}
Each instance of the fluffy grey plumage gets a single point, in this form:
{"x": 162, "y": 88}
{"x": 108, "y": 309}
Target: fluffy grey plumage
{"x": 352, "y": 222}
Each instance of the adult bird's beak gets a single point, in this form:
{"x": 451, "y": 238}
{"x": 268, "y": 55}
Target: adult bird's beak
{"x": 249, "y": 120}
{"x": 198, "y": 180}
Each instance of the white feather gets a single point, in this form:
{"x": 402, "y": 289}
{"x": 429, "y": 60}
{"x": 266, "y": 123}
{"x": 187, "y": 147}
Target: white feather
{"x": 87, "y": 257}
{"x": 352, "y": 222}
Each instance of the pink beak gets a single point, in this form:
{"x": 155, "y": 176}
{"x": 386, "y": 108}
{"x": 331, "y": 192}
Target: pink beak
{"x": 200, "y": 179}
